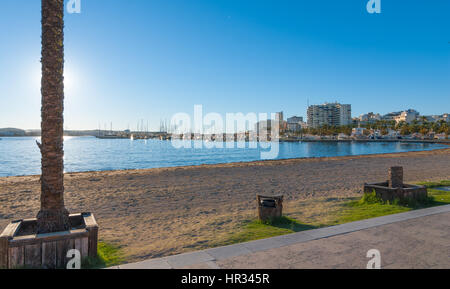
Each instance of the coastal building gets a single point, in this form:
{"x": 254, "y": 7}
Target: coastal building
{"x": 446, "y": 117}
{"x": 431, "y": 118}
{"x": 369, "y": 117}
{"x": 279, "y": 119}
{"x": 407, "y": 116}
{"x": 279, "y": 116}
{"x": 295, "y": 119}
{"x": 391, "y": 116}
{"x": 295, "y": 123}
{"x": 332, "y": 114}
{"x": 435, "y": 118}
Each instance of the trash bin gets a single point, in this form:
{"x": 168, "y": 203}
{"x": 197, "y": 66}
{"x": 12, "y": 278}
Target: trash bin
{"x": 269, "y": 207}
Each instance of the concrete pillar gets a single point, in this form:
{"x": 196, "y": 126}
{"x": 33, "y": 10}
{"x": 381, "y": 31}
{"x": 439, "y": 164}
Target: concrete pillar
{"x": 396, "y": 177}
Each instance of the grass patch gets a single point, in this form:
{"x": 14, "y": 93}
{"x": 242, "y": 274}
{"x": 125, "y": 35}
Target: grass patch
{"x": 369, "y": 206}
{"x": 108, "y": 255}
{"x": 431, "y": 185}
{"x": 439, "y": 198}
{"x": 254, "y": 230}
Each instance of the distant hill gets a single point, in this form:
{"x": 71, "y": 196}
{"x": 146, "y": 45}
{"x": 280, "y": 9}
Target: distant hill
{"x": 5, "y": 132}
{"x": 12, "y": 132}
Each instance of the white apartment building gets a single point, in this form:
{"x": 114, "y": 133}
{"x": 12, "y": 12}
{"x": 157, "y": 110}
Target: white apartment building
{"x": 407, "y": 116}
{"x": 369, "y": 117}
{"x": 333, "y": 114}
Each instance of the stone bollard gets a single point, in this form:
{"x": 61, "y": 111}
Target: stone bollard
{"x": 396, "y": 177}
{"x": 269, "y": 207}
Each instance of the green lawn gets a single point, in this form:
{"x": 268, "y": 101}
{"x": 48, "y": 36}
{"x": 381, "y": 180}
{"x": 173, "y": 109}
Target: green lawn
{"x": 360, "y": 210}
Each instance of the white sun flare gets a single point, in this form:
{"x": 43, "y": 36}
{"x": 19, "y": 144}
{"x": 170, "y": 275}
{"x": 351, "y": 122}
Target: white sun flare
{"x": 69, "y": 79}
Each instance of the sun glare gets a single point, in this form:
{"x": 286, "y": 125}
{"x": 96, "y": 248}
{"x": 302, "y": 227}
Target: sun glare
{"x": 69, "y": 79}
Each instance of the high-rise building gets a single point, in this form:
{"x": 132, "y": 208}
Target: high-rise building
{"x": 332, "y": 114}
{"x": 279, "y": 116}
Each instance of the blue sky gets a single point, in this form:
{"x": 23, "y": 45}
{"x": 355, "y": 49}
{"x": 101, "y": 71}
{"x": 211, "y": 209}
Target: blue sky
{"x": 148, "y": 59}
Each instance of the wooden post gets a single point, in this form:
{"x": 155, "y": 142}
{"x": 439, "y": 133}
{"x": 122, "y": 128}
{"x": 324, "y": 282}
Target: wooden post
{"x": 3, "y": 252}
{"x": 7, "y": 235}
{"x": 92, "y": 228}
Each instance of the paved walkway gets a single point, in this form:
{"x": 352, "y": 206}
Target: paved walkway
{"x": 416, "y": 239}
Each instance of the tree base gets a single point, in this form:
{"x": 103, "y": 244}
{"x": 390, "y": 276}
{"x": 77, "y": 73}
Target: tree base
{"x": 22, "y": 247}
{"x": 50, "y": 221}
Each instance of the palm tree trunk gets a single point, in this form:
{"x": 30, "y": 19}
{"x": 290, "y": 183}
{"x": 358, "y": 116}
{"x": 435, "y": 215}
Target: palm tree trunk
{"x": 53, "y": 216}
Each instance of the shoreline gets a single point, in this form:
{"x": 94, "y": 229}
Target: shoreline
{"x": 444, "y": 142}
{"x": 283, "y": 140}
{"x": 250, "y": 163}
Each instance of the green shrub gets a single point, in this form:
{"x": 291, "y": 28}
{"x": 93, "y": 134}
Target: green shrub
{"x": 370, "y": 199}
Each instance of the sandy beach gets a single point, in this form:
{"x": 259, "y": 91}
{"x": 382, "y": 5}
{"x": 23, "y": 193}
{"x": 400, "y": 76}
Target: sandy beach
{"x": 159, "y": 212}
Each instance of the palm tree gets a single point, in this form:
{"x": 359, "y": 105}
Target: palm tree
{"x": 423, "y": 119}
{"x": 53, "y": 216}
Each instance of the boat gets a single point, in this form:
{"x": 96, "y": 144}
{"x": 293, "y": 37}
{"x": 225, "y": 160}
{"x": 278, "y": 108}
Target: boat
{"x": 112, "y": 136}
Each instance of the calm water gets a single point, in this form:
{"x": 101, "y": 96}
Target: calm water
{"x": 20, "y": 156}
